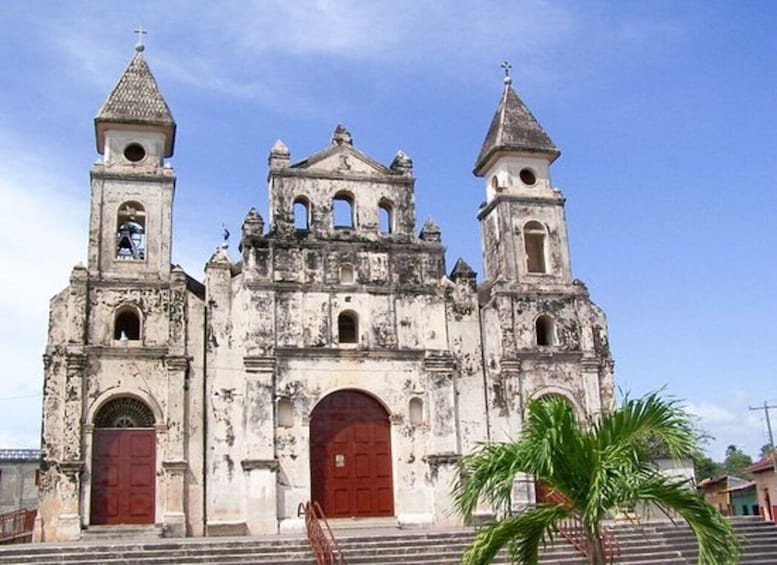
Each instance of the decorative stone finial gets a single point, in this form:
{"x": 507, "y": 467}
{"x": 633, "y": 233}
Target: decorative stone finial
{"x": 139, "y": 47}
{"x": 279, "y": 155}
{"x": 402, "y": 163}
{"x": 507, "y": 66}
{"x": 341, "y": 135}
{"x": 253, "y": 224}
{"x": 462, "y": 272}
{"x": 431, "y": 231}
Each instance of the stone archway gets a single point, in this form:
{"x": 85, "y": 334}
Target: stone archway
{"x": 123, "y": 464}
{"x": 350, "y": 456}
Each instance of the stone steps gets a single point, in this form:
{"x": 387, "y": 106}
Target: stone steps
{"x": 645, "y": 544}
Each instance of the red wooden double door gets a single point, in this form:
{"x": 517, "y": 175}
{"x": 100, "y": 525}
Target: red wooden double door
{"x": 350, "y": 456}
{"x": 123, "y": 476}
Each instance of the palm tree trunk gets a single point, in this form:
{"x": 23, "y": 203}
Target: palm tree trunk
{"x": 596, "y": 555}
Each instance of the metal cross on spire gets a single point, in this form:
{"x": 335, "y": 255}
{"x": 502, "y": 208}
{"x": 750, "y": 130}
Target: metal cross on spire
{"x": 507, "y": 66}
{"x": 141, "y": 32}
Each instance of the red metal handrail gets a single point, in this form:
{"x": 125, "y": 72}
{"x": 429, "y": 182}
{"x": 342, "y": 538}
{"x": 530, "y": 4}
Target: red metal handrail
{"x": 573, "y": 531}
{"x": 16, "y": 526}
{"x": 324, "y": 545}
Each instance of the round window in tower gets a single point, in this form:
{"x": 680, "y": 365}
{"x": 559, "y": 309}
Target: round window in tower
{"x": 134, "y": 152}
{"x": 528, "y": 177}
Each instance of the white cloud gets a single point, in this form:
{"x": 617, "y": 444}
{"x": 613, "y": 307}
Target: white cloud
{"x": 710, "y": 413}
{"x": 43, "y": 233}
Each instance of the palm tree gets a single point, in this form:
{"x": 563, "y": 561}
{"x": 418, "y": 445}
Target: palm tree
{"x": 592, "y": 469}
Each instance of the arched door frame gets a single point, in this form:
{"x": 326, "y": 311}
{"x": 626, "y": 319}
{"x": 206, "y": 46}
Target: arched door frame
{"x": 88, "y": 442}
{"x": 385, "y": 411}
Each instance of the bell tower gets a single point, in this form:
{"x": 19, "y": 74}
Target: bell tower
{"x": 541, "y": 333}
{"x": 130, "y": 226}
{"x": 523, "y": 227}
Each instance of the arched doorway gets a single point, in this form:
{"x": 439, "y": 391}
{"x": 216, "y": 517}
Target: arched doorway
{"x": 350, "y": 456}
{"x": 123, "y": 464}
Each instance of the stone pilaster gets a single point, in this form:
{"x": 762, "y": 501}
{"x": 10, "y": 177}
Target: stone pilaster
{"x": 259, "y": 465}
{"x": 440, "y": 371}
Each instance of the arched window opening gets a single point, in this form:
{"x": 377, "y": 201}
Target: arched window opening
{"x": 385, "y": 217}
{"x": 416, "y": 410}
{"x": 545, "y": 330}
{"x": 126, "y": 325}
{"x": 342, "y": 209}
{"x": 125, "y": 412}
{"x": 346, "y": 274}
{"x": 301, "y": 214}
{"x": 285, "y": 413}
{"x": 347, "y": 327}
{"x": 131, "y": 232}
{"x": 534, "y": 242}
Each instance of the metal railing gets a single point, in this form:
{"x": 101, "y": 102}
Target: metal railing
{"x": 16, "y": 526}
{"x": 574, "y": 532}
{"x": 323, "y": 543}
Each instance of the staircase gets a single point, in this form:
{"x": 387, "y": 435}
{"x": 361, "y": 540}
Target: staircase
{"x": 646, "y": 544}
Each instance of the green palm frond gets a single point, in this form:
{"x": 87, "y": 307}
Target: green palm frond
{"x": 521, "y": 535}
{"x": 596, "y": 468}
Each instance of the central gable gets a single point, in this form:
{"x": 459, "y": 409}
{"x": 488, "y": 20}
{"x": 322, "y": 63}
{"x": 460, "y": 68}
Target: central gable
{"x": 343, "y": 158}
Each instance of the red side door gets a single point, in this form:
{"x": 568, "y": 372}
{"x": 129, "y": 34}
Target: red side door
{"x": 350, "y": 453}
{"x": 123, "y": 476}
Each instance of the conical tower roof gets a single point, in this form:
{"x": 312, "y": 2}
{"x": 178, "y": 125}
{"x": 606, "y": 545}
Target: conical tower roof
{"x": 514, "y": 128}
{"x": 136, "y": 100}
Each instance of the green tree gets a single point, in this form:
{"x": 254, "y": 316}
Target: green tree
{"x": 596, "y": 468}
{"x": 767, "y": 450}
{"x": 736, "y": 461}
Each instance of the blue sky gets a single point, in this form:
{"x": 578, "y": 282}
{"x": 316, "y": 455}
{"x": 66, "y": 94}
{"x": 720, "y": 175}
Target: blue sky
{"x": 664, "y": 113}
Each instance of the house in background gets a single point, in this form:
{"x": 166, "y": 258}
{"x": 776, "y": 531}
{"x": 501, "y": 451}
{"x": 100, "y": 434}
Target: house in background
{"x": 744, "y": 500}
{"x": 766, "y": 486}
{"x": 716, "y": 491}
{"x": 19, "y": 471}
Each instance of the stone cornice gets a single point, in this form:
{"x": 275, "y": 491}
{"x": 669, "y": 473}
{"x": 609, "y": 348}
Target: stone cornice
{"x": 437, "y": 459}
{"x": 290, "y": 172}
{"x": 313, "y": 352}
{"x": 160, "y": 174}
{"x": 258, "y": 364}
{"x": 143, "y": 352}
{"x": 268, "y": 464}
{"x": 439, "y": 363}
{"x": 176, "y": 362}
{"x": 555, "y": 200}
{"x": 75, "y": 361}
{"x": 175, "y": 466}
{"x": 71, "y": 467}
{"x": 371, "y": 288}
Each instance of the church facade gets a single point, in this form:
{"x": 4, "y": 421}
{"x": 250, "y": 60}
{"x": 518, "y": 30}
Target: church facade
{"x": 337, "y": 360}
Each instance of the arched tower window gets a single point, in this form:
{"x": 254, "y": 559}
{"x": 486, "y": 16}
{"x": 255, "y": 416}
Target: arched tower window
{"x": 342, "y": 210}
{"x": 301, "y": 214}
{"x": 385, "y": 216}
{"x": 545, "y": 330}
{"x": 124, "y": 412}
{"x": 534, "y": 242}
{"x": 126, "y": 324}
{"x": 131, "y": 231}
{"x": 347, "y": 327}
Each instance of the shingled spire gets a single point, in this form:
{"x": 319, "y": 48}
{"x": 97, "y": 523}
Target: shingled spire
{"x": 136, "y": 100}
{"x": 514, "y": 128}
